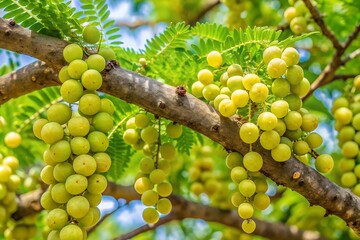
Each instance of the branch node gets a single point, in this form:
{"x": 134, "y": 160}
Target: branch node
{"x": 296, "y": 175}
{"x": 12, "y": 22}
{"x": 180, "y": 90}
{"x": 161, "y": 105}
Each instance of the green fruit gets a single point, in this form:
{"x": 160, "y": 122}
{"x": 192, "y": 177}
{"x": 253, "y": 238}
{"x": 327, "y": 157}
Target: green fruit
{"x": 76, "y": 68}
{"x": 96, "y": 62}
{"x": 164, "y": 206}
{"x": 78, "y": 126}
{"x": 238, "y": 174}
{"x": 98, "y": 141}
{"x": 107, "y": 53}
{"x": 60, "y": 151}
{"x": 62, "y": 171}
{"x": 103, "y": 162}
{"x": 157, "y": 176}
{"x": 298, "y": 25}
{"x": 291, "y": 56}
{"x": 106, "y": 105}
{"x": 314, "y": 140}
{"x": 240, "y": 98}
{"x": 79, "y": 145}
{"x": 71, "y": 90}
{"x": 131, "y": 136}
{"x": 267, "y": 121}
{"x": 57, "y": 218}
{"x": 174, "y": 130}
{"x": 143, "y": 184}
{"x": 46, "y": 174}
{"x": 294, "y": 74}
{"x": 294, "y": 101}
{"x": 248, "y": 226}
{"x": 302, "y": 88}
{"x": 276, "y": 68}
{"x": 258, "y": 92}
{"x": 301, "y": 147}
{"x": 234, "y": 70}
{"x": 234, "y": 159}
{"x": 72, "y": 52}
{"x": 149, "y": 198}
{"x": 309, "y": 122}
{"x": 103, "y": 122}
{"x": 205, "y": 76}
{"x": 269, "y": 139}
{"x": 77, "y": 206}
{"x": 91, "y": 34}
{"x": 227, "y": 108}
{"x": 253, "y": 161}
{"x": 52, "y": 132}
{"x": 164, "y": 189}
{"x": 280, "y": 108}
{"x": 261, "y": 201}
{"x": 293, "y": 120}
{"x": 197, "y": 88}
{"x": 59, "y": 112}
{"x": 96, "y": 184}
{"x": 89, "y": 104}
{"x": 94, "y": 199}
{"x": 76, "y": 184}
{"x": 245, "y": 210}
{"x": 289, "y": 14}
{"x": 71, "y": 232}
{"x": 281, "y": 153}
{"x": 280, "y": 87}
{"x": 149, "y": 135}
{"x": 247, "y": 187}
{"x": 249, "y": 132}
{"x": 150, "y": 215}
{"x": 210, "y": 92}
{"x": 214, "y": 59}
{"x": 47, "y": 202}
{"x": 91, "y": 79}
{"x": 141, "y": 120}
{"x": 271, "y": 53}
{"x": 348, "y": 179}
{"x": 84, "y": 165}
{"x": 38, "y": 125}
{"x": 59, "y": 193}
{"x": 350, "y": 149}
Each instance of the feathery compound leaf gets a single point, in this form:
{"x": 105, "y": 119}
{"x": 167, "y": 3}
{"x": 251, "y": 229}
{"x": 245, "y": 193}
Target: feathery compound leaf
{"x": 174, "y": 36}
{"x": 44, "y": 17}
{"x": 292, "y": 39}
{"x": 186, "y": 141}
{"x": 211, "y": 31}
{"x": 97, "y": 12}
{"x": 120, "y": 154}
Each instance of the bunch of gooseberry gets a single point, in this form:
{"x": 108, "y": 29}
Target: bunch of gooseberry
{"x": 144, "y": 134}
{"x": 76, "y": 158}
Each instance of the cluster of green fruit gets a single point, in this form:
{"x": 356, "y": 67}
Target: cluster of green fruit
{"x": 235, "y": 8}
{"x": 297, "y": 16}
{"x": 9, "y": 184}
{"x": 251, "y": 187}
{"x": 31, "y": 180}
{"x": 346, "y": 110}
{"x": 275, "y": 116}
{"x": 205, "y": 179}
{"x": 143, "y": 133}
{"x": 76, "y": 158}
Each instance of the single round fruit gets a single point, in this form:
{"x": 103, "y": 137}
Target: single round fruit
{"x": 91, "y": 79}
{"x": 150, "y": 215}
{"x": 281, "y": 153}
{"x": 57, "y": 218}
{"x": 276, "y": 68}
{"x": 71, "y": 232}
{"x": 245, "y": 210}
{"x": 107, "y": 53}
{"x": 71, "y": 90}
{"x": 249, "y": 80}
{"x": 91, "y": 34}
{"x": 258, "y": 92}
{"x": 249, "y": 132}
{"x": 174, "y": 130}
{"x": 76, "y": 68}
{"x": 84, "y": 164}
{"x": 227, "y": 108}
{"x": 280, "y": 108}
{"x": 89, "y": 104}
{"x": 240, "y": 98}
{"x": 214, "y": 59}
{"x": 294, "y": 74}
{"x": 77, "y": 206}
{"x": 197, "y": 88}
{"x": 96, "y": 62}
{"x": 234, "y": 159}
{"x": 72, "y": 52}
{"x": 280, "y": 87}
{"x": 324, "y": 163}
{"x": 271, "y": 53}
{"x": 12, "y": 139}
{"x": 291, "y": 56}
{"x": 267, "y": 121}
{"x": 164, "y": 206}
{"x": 78, "y": 126}
{"x": 253, "y": 161}
{"x": 149, "y": 198}
{"x": 59, "y": 112}
{"x": 247, "y": 187}
{"x": 205, "y": 76}
{"x": 234, "y": 70}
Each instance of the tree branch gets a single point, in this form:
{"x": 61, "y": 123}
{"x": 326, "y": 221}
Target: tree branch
{"x": 182, "y": 208}
{"x": 320, "y": 21}
{"x": 203, "y": 12}
{"x": 351, "y": 56}
{"x": 162, "y": 100}
{"x": 344, "y": 76}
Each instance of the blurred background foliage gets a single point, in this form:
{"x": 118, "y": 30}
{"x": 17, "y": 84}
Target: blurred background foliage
{"x": 142, "y": 20}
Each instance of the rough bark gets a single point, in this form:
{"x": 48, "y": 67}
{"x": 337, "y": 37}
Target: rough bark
{"x": 162, "y": 100}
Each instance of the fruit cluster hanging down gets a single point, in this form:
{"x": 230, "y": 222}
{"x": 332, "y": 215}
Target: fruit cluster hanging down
{"x": 144, "y": 133}
{"x": 266, "y": 103}
{"x": 346, "y": 110}
{"x": 76, "y": 130}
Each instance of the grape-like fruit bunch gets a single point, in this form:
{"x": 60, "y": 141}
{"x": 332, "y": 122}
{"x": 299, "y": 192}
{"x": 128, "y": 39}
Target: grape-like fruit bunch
{"x": 297, "y": 16}
{"x": 144, "y": 133}
{"x": 76, "y": 158}
{"x": 9, "y": 184}
{"x": 346, "y": 110}
{"x": 235, "y": 8}
{"x": 205, "y": 179}
{"x": 272, "y": 105}
{"x": 251, "y": 187}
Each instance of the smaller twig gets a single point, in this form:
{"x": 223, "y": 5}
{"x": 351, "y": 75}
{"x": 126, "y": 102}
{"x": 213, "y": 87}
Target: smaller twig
{"x": 203, "y": 12}
{"x": 106, "y": 216}
{"x": 351, "y": 56}
{"x": 136, "y": 24}
{"x": 344, "y": 76}
{"x": 320, "y": 22}
{"x": 147, "y": 227}
{"x": 352, "y": 37}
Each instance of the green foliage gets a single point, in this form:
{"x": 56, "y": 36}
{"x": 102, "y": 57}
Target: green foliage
{"x": 45, "y": 17}
{"x": 186, "y": 141}
{"x": 120, "y": 154}
{"x": 97, "y": 13}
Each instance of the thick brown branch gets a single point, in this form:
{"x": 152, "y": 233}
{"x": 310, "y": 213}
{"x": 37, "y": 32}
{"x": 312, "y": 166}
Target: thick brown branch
{"x": 147, "y": 227}
{"x": 34, "y": 76}
{"x": 320, "y": 21}
{"x": 182, "y": 208}
{"x": 352, "y": 37}
{"x": 162, "y": 100}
